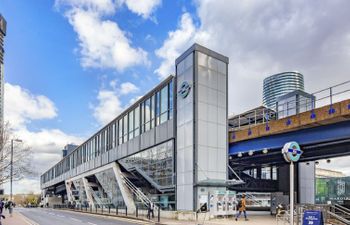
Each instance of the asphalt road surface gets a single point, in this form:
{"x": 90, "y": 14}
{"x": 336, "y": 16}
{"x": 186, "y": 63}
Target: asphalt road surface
{"x": 42, "y": 216}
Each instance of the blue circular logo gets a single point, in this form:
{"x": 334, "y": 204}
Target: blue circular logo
{"x": 291, "y": 151}
{"x": 184, "y": 89}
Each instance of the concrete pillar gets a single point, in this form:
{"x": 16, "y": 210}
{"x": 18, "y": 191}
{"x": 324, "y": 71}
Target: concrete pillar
{"x": 69, "y": 190}
{"x": 125, "y": 191}
{"x": 88, "y": 192}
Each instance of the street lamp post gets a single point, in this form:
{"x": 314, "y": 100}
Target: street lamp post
{"x": 11, "y": 175}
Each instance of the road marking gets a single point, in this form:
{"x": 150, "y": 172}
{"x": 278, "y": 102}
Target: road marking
{"x": 27, "y": 220}
{"x": 75, "y": 219}
{"x": 92, "y": 223}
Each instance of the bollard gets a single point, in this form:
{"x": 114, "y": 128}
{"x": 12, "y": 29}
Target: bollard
{"x": 116, "y": 210}
{"x": 126, "y": 211}
{"x": 96, "y": 209}
{"x": 158, "y": 213}
{"x": 137, "y": 211}
{"x": 109, "y": 209}
{"x": 102, "y": 209}
{"x": 90, "y": 208}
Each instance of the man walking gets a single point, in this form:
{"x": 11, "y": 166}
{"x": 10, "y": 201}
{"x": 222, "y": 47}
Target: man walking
{"x": 241, "y": 208}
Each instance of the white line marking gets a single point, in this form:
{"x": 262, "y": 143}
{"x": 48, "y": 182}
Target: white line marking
{"x": 92, "y": 223}
{"x": 75, "y": 219}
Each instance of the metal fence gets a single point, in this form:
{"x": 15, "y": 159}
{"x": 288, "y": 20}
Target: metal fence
{"x": 141, "y": 212}
{"x": 327, "y": 96}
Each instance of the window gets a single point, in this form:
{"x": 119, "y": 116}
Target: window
{"x": 157, "y": 109}
{"x": 125, "y": 128}
{"x": 164, "y": 104}
{"x": 274, "y": 173}
{"x": 266, "y": 173}
{"x": 120, "y": 128}
{"x": 147, "y": 115}
{"x": 131, "y": 125}
{"x": 137, "y": 121}
{"x": 152, "y": 110}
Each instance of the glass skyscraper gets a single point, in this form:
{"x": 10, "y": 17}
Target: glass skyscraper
{"x": 280, "y": 84}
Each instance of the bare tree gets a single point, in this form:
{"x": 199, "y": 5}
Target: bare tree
{"x": 21, "y": 157}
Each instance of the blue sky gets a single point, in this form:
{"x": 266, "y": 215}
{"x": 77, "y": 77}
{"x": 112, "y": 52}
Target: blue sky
{"x": 41, "y": 56}
{"x": 71, "y": 66}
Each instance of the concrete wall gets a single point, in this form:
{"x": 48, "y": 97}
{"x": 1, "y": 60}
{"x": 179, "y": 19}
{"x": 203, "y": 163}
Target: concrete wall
{"x": 184, "y": 141}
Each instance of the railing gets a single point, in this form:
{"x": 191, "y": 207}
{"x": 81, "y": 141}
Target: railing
{"x": 318, "y": 99}
{"x": 141, "y": 212}
{"x": 135, "y": 190}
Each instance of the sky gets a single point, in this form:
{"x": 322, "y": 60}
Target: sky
{"x": 71, "y": 66}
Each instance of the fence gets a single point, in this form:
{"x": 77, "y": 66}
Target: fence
{"x": 141, "y": 211}
{"x": 321, "y": 98}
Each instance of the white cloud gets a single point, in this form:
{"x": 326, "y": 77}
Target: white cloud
{"x": 21, "y": 108}
{"x": 266, "y": 37}
{"x": 109, "y": 104}
{"x": 128, "y": 88}
{"x": 175, "y": 44}
{"x": 143, "y": 8}
{"x": 102, "y": 43}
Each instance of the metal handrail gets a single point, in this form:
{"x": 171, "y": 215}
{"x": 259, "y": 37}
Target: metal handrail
{"x": 342, "y": 209}
{"x": 340, "y": 218}
{"x": 316, "y": 101}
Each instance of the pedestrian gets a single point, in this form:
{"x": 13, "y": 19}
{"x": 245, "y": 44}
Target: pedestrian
{"x": 1, "y": 206}
{"x": 241, "y": 208}
{"x": 10, "y": 207}
{"x": 1, "y": 217}
{"x": 150, "y": 210}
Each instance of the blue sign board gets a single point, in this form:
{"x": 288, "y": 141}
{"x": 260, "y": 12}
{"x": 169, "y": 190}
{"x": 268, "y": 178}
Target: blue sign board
{"x": 313, "y": 217}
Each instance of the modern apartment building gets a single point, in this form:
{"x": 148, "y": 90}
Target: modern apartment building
{"x": 280, "y": 84}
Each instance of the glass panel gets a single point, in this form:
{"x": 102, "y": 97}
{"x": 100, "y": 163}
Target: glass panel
{"x": 147, "y": 114}
{"x": 125, "y": 128}
{"x": 152, "y": 110}
{"x": 120, "y": 133}
{"x": 137, "y": 121}
{"x": 164, "y": 105}
{"x": 131, "y": 125}
{"x": 157, "y": 108}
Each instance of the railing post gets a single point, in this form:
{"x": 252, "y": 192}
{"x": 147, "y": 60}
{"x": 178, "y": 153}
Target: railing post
{"x": 137, "y": 211}
{"x": 90, "y": 208}
{"x": 109, "y": 209}
{"x": 116, "y": 210}
{"x": 263, "y": 115}
{"x": 102, "y": 209}
{"x": 255, "y": 116}
{"x": 96, "y": 209}
{"x": 331, "y": 95}
{"x": 126, "y": 210}
{"x": 239, "y": 121}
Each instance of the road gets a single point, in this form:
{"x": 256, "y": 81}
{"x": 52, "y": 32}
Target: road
{"x": 42, "y": 216}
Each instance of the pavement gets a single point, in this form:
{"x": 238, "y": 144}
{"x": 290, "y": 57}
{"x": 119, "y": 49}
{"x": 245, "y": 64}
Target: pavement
{"x": 16, "y": 219}
{"x": 254, "y": 218}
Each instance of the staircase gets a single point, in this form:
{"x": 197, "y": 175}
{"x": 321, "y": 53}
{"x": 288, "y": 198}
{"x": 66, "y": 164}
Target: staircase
{"x": 339, "y": 214}
{"x": 136, "y": 191}
{"x": 99, "y": 201}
